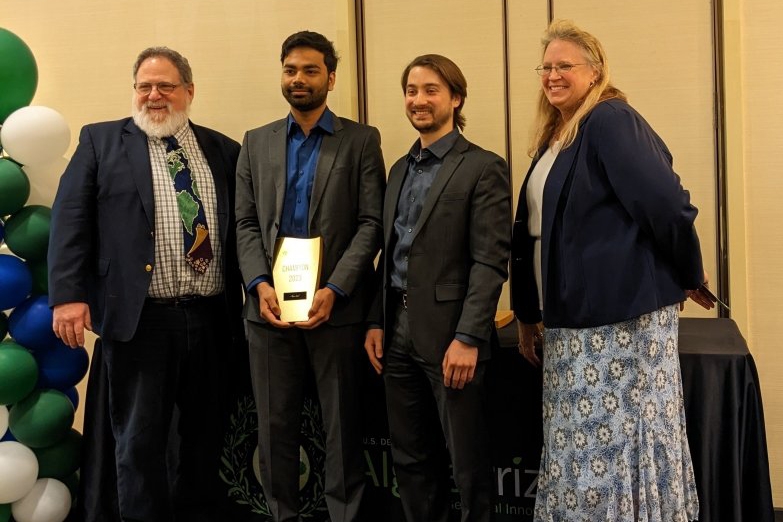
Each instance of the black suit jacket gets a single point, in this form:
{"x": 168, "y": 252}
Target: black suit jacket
{"x": 103, "y": 223}
{"x": 345, "y": 210}
{"x": 459, "y": 256}
{"x": 617, "y": 234}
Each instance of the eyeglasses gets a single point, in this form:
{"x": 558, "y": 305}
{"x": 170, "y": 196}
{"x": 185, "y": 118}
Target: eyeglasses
{"x": 546, "y": 70}
{"x": 163, "y": 88}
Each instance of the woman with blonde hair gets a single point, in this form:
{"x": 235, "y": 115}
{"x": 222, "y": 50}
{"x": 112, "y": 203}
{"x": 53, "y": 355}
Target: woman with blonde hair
{"x": 604, "y": 253}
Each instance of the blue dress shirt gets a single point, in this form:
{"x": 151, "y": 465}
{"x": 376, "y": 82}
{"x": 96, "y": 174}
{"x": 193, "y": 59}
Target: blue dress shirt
{"x": 423, "y": 166}
{"x": 301, "y": 161}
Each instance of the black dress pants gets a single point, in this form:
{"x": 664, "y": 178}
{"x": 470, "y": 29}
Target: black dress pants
{"x": 280, "y": 363}
{"x": 164, "y": 387}
{"x": 429, "y": 423}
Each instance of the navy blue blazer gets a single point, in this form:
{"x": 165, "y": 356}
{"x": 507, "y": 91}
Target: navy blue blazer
{"x": 103, "y": 221}
{"x": 617, "y": 234}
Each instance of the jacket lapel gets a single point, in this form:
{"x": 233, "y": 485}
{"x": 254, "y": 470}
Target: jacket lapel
{"x": 330, "y": 144}
{"x": 450, "y": 163}
{"x": 138, "y": 156}
{"x": 214, "y": 156}
{"x": 277, "y": 163}
{"x": 562, "y": 168}
{"x": 561, "y": 171}
{"x": 393, "y": 188}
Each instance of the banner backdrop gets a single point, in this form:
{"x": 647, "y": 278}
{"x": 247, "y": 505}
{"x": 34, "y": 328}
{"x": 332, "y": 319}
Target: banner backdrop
{"x": 513, "y": 415}
{"x": 722, "y": 404}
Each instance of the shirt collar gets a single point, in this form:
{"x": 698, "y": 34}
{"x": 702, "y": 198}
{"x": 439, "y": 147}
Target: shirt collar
{"x": 325, "y": 122}
{"x": 182, "y": 133}
{"x": 438, "y": 149}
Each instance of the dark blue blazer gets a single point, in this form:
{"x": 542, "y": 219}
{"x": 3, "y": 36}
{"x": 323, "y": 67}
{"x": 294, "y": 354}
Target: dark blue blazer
{"x": 101, "y": 246}
{"x": 617, "y": 234}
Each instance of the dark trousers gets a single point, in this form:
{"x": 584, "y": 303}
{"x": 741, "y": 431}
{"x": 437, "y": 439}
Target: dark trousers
{"x": 164, "y": 387}
{"x": 429, "y": 423}
{"x": 280, "y": 362}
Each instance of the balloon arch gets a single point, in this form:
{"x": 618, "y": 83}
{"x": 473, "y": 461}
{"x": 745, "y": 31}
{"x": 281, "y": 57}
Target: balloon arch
{"x": 39, "y": 449}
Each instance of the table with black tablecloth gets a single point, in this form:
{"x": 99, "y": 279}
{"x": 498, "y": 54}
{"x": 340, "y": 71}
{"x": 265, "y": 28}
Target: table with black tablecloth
{"x": 725, "y": 425}
{"x": 725, "y": 422}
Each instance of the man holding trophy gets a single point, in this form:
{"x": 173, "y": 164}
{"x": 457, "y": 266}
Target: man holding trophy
{"x": 309, "y": 203}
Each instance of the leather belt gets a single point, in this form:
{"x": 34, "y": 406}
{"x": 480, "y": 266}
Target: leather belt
{"x": 181, "y": 301}
{"x": 401, "y": 297}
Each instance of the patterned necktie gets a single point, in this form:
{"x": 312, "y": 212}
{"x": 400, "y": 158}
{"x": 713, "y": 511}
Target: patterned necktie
{"x": 198, "y": 249}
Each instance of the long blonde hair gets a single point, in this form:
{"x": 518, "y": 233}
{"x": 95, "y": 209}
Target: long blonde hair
{"x": 548, "y": 117}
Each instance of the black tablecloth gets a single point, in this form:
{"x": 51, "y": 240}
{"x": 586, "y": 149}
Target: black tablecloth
{"x": 722, "y": 402}
{"x": 725, "y": 422}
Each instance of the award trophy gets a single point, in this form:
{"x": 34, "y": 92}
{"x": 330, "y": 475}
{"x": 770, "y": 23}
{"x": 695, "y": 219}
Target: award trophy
{"x": 296, "y": 272}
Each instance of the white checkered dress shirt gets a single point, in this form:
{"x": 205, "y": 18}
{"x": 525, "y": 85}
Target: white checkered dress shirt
{"x": 171, "y": 274}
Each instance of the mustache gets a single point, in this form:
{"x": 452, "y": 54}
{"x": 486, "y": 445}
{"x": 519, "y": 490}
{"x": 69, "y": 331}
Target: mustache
{"x": 153, "y": 105}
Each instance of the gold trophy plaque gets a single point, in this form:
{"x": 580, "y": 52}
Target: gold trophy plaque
{"x": 296, "y": 272}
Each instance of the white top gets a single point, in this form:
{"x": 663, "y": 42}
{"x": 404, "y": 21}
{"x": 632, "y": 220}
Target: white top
{"x": 535, "y": 207}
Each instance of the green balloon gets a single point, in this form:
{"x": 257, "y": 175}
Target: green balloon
{"x": 41, "y": 419}
{"x": 27, "y": 232}
{"x": 62, "y": 459}
{"x": 14, "y": 187}
{"x": 18, "y": 74}
{"x": 3, "y": 325}
{"x": 40, "y": 272}
{"x": 5, "y": 512}
{"x": 18, "y": 372}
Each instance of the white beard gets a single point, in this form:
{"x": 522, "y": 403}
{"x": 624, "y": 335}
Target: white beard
{"x": 173, "y": 122}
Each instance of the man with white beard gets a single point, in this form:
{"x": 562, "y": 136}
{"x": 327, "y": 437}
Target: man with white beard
{"x": 142, "y": 252}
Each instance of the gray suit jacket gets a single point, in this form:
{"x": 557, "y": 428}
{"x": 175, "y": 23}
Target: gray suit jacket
{"x": 459, "y": 256}
{"x": 345, "y": 210}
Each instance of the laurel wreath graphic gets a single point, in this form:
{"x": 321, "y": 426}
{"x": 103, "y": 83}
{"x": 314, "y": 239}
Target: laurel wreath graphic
{"x": 239, "y": 443}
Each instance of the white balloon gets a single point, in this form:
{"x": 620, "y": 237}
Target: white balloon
{"x": 48, "y": 501}
{"x": 44, "y": 180}
{"x": 35, "y": 135}
{"x": 3, "y": 420}
{"x": 18, "y": 471}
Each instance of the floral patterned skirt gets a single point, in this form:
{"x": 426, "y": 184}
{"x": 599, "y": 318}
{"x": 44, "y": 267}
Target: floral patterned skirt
{"x": 615, "y": 446}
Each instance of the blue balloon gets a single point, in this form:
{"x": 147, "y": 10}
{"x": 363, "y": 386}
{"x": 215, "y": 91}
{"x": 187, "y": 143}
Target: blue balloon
{"x": 8, "y": 437}
{"x": 61, "y": 367}
{"x": 15, "y": 281}
{"x": 30, "y": 324}
{"x": 73, "y": 394}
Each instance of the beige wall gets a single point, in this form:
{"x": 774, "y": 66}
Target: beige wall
{"x": 660, "y": 52}
{"x": 759, "y": 209}
{"x": 395, "y": 37}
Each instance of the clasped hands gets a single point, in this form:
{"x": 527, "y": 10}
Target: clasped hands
{"x": 701, "y": 296}
{"x": 319, "y": 312}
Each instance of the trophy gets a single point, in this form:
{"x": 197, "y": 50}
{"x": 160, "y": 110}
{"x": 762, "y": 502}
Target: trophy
{"x": 296, "y": 272}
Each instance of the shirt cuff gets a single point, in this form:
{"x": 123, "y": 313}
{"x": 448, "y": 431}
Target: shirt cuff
{"x": 336, "y": 290}
{"x": 257, "y": 281}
